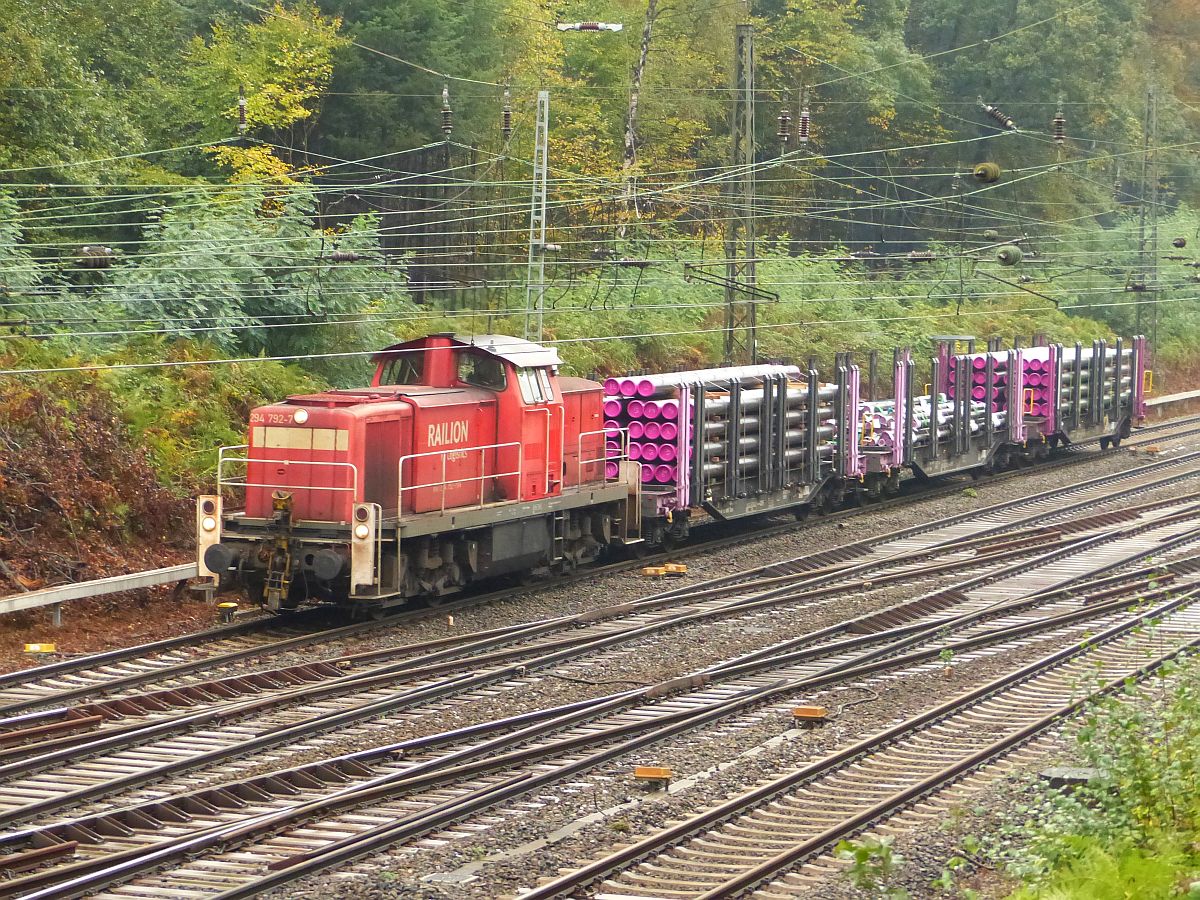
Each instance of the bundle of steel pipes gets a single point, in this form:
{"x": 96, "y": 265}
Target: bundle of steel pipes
{"x": 649, "y": 411}
{"x": 879, "y": 419}
{"x": 978, "y": 366}
{"x": 1107, "y": 374}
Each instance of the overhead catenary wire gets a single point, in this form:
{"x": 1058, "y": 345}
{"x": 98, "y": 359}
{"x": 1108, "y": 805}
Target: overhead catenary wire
{"x": 115, "y": 367}
{"x": 831, "y": 211}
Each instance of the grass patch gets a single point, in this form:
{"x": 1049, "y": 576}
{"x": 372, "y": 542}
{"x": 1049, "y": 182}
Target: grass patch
{"x": 1134, "y": 830}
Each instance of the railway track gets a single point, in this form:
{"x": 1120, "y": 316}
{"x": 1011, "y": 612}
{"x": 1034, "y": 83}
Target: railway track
{"x": 133, "y": 753}
{"x": 170, "y": 664}
{"x": 729, "y": 696}
{"x": 169, "y": 661}
{"x": 750, "y": 842}
{"x": 762, "y": 589}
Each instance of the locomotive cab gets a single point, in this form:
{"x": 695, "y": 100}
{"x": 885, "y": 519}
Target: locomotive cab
{"x": 466, "y": 457}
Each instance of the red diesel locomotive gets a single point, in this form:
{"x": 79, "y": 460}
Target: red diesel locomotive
{"x": 465, "y": 458}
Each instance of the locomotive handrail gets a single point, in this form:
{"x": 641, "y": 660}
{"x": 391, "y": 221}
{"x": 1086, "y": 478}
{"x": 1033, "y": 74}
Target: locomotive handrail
{"x": 444, "y": 483}
{"x": 223, "y": 483}
{"x": 623, "y": 433}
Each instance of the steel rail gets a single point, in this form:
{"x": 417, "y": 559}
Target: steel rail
{"x": 404, "y": 699}
{"x": 420, "y": 824}
{"x": 72, "y": 747}
{"x": 626, "y": 857}
{"x": 1105, "y": 589}
{"x": 434, "y": 771}
{"x": 110, "y": 657}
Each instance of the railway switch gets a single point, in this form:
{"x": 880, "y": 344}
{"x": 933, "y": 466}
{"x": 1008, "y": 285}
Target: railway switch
{"x": 227, "y": 611}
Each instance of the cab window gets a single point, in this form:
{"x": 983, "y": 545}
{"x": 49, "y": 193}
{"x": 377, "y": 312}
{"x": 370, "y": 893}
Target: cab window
{"x": 481, "y": 371}
{"x": 406, "y": 368}
{"x": 535, "y": 385}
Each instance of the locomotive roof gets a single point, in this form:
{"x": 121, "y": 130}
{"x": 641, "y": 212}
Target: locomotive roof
{"x": 517, "y": 351}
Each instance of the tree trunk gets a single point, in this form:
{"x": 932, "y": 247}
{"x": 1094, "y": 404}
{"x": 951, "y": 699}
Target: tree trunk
{"x": 635, "y": 90}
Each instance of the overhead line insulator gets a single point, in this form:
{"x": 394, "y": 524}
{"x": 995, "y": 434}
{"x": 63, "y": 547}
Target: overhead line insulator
{"x": 506, "y": 127}
{"x": 589, "y": 26}
{"x": 1005, "y": 121}
{"x": 447, "y": 112}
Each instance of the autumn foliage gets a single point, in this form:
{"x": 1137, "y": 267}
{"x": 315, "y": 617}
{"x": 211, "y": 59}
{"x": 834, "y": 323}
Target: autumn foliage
{"x": 78, "y": 497}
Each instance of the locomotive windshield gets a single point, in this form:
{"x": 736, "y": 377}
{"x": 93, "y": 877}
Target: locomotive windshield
{"x": 407, "y": 368}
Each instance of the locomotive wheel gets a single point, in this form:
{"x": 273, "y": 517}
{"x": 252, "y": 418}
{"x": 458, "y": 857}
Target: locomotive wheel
{"x": 1104, "y": 443}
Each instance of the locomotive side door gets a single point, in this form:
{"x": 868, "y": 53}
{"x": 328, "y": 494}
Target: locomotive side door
{"x": 541, "y": 434}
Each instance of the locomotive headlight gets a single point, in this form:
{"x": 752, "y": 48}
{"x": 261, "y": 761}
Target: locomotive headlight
{"x": 208, "y": 523}
{"x": 300, "y": 416}
{"x": 361, "y": 532}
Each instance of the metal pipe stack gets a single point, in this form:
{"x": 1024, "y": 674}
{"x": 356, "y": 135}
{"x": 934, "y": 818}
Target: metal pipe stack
{"x": 1066, "y": 388}
{"x": 644, "y": 408}
{"x": 649, "y": 408}
{"x": 879, "y": 419}
{"x": 998, "y": 402}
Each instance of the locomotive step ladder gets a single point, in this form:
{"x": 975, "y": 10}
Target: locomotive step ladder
{"x": 558, "y": 536}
